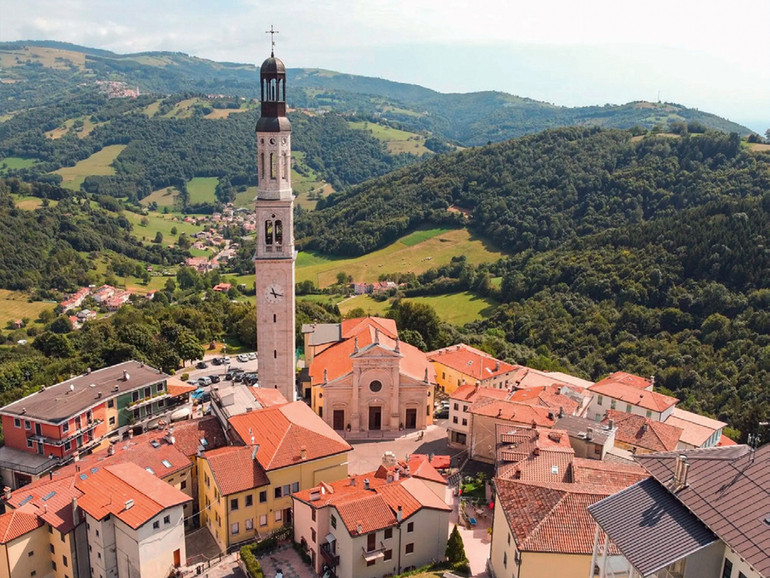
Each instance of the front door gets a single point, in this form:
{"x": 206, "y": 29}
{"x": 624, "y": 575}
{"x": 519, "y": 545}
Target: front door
{"x": 411, "y": 418}
{"x": 375, "y": 418}
{"x": 339, "y": 419}
{"x": 177, "y": 559}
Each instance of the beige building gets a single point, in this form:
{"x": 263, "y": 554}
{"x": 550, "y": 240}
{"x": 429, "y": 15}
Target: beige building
{"x": 630, "y": 394}
{"x": 377, "y": 524}
{"x": 363, "y": 378}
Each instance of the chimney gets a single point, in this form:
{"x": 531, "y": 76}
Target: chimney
{"x": 88, "y": 371}
{"x": 359, "y": 528}
{"x": 352, "y": 480}
{"x": 126, "y": 376}
{"x": 645, "y": 427}
{"x": 685, "y": 470}
{"x": 366, "y": 483}
{"x": 76, "y": 456}
{"x": 389, "y": 478}
{"x": 590, "y": 433}
{"x": 426, "y": 375}
{"x": 129, "y": 504}
{"x": 398, "y": 345}
{"x": 355, "y": 345}
{"x": 7, "y": 492}
{"x": 325, "y": 376}
{"x": 561, "y": 412}
{"x": 315, "y": 494}
{"x": 497, "y": 366}
{"x": 254, "y": 452}
{"x": 399, "y": 514}
{"x": 111, "y": 450}
{"x": 611, "y": 424}
{"x": 303, "y": 453}
{"x": 499, "y": 412}
{"x": 396, "y": 475}
{"x": 679, "y": 466}
{"x": 131, "y": 434}
{"x": 377, "y": 335}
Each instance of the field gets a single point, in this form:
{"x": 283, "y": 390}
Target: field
{"x": 201, "y": 189}
{"x": 759, "y": 147}
{"x": 397, "y": 141}
{"x": 48, "y": 57}
{"x": 245, "y": 199}
{"x": 152, "y": 109}
{"x": 455, "y": 308}
{"x": 218, "y": 113}
{"x": 16, "y": 163}
{"x": 183, "y": 109}
{"x": 158, "y": 223}
{"x": 370, "y": 306}
{"x": 167, "y": 197}
{"x": 14, "y": 305}
{"x": 99, "y": 163}
{"x": 304, "y": 184}
{"x": 403, "y": 255}
{"x": 60, "y": 131}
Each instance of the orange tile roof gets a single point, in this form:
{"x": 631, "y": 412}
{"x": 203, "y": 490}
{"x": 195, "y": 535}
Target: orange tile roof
{"x": 696, "y": 429}
{"x": 189, "y": 435}
{"x": 16, "y": 523}
{"x": 370, "y": 511}
{"x": 268, "y": 397}
{"x": 726, "y": 441}
{"x": 633, "y": 394}
{"x": 549, "y": 396}
{"x": 177, "y": 387}
{"x": 109, "y": 489}
{"x": 598, "y": 473}
{"x": 420, "y": 466}
{"x": 52, "y": 498}
{"x": 234, "y": 470}
{"x": 520, "y": 413}
{"x": 336, "y": 361}
{"x": 282, "y": 432}
{"x": 352, "y": 327}
{"x": 470, "y": 393}
{"x": 623, "y": 378}
{"x": 470, "y": 361}
{"x": 642, "y": 432}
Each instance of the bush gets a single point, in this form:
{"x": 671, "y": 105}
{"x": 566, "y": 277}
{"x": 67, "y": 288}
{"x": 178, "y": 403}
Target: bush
{"x": 185, "y": 376}
{"x": 253, "y": 567}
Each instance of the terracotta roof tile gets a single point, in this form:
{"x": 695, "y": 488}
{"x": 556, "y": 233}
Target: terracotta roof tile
{"x": 696, "y": 429}
{"x": 108, "y": 491}
{"x": 282, "y": 432}
{"x": 547, "y": 396}
{"x": 370, "y": 511}
{"x": 234, "y": 470}
{"x": 268, "y": 397}
{"x": 52, "y": 498}
{"x": 16, "y": 523}
{"x": 642, "y": 432}
{"x": 472, "y": 392}
{"x": 623, "y": 378}
{"x": 520, "y": 413}
{"x": 177, "y": 387}
{"x": 420, "y": 466}
{"x": 634, "y": 395}
{"x": 352, "y": 327}
{"x": 189, "y": 435}
{"x": 725, "y": 441}
{"x": 470, "y": 361}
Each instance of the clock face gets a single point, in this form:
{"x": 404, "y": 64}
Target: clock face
{"x": 274, "y": 293}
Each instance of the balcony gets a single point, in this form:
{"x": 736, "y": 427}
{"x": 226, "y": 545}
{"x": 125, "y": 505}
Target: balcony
{"x": 72, "y": 436}
{"x": 370, "y": 555}
{"x": 328, "y": 556}
{"x": 147, "y": 401}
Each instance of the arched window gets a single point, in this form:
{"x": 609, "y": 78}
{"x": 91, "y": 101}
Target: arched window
{"x": 262, "y": 166}
{"x": 278, "y": 233}
{"x": 285, "y": 167}
{"x": 273, "y": 166}
{"x": 268, "y": 232}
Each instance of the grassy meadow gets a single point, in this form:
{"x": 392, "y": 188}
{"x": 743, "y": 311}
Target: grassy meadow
{"x": 99, "y": 163}
{"x": 202, "y": 189}
{"x": 15, "y": 305}
{"x": 397, "y": 141}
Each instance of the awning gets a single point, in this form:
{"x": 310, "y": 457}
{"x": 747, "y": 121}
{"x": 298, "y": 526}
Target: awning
{"x": 330, "y": 538}
{"x": 374, "y": 555}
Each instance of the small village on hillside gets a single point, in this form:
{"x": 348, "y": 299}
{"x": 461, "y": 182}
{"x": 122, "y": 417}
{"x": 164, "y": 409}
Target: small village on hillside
{"x": 371, "y": 458}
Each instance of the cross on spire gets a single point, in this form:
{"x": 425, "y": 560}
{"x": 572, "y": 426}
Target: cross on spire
{"x": 272, "y": 34}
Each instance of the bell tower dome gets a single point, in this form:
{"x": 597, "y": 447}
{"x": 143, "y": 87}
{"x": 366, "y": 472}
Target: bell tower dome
{"x": 274, "y": 257}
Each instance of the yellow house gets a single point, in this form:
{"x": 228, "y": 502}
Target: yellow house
{"x": 462, "y": 364}
{"x": 245, "y": 491}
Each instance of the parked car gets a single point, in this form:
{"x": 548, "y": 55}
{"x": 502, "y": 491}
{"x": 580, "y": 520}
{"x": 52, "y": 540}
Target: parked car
{"x": 201, "y": 365}
{"x": 252, "y": 356}
{"x": 238, "y": 377}
{"x": 214, "y": 378}
{"x": 204, "y": 381}
{"x": 217, "y": 361}
{"x": 226, "y": 359}
{"x": 243, "y": 358}
{"x": 441, "y": 413}
{"x": 201, "y": 395}
{"x": 232, "y": 372}
{"x": 249, "y": 378}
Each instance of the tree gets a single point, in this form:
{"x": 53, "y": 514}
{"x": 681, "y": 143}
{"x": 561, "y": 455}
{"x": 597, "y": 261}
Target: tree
{"x": 419, "y": 317}
{"x": 455, "y": 550}
{"x": 173, "y": 230}
{"x": 52, "y": 344}
{"x": 61, "y": 324}
{"x": 158, "y": 237}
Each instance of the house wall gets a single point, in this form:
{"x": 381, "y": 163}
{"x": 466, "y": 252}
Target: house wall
{"x": 554, "y": 565}
{"x": 147, "y": 551}
{"x": 30, "y": 553}
{"x": 596, "y": 409}
{"x": 184, "y": 482}
{"x": 739, "y": 565}
{"x": 450, "y": 379}
{"x": 458, "y": 411}
{"x": 103, "y": 557}
{"x": 707, "y": 563}
{"x": 503, "y": 546}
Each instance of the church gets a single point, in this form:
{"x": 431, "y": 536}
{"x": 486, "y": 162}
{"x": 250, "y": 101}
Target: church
{"x": 364, "y": 379}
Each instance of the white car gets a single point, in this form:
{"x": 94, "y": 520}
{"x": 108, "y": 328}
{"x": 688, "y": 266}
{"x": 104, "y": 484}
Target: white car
{"x": 243, "y": 358}
{"x": 226, "y": 359}
{"x": 252, "y": 356}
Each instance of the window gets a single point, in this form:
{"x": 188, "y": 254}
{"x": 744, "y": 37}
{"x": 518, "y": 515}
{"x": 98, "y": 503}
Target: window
{"x": 250, "y": 523}
{"x": 443, "y": 375}
{"x": 312, "y": 534}
{"x": 410, "y": 527}
{"x": 112, "y": 420}
{"x": 67, "y": 446}
{"x": 505, "y": 559}
{"x": 275, "y": 354}
{"x": 509, "y": 538}
{"x": 370, "y": 562}
{"x": 183, "y": 485}
{"x": 277, "y": 492}
{"x": 287, "y": 490}
{"x": 457, "y": 406}
{"x": 649, "y": 413}
{"x": 278, "y": 515}
{"x": 263, "y": 496}
{"x": 249, "y": 500}
{"x": 64, "y": 561}
{"x": 273, "y": 166}
{"x": 727, "y": 571}
{"x": 31, "y": 553}
{"x": 27, "y": 424}
{"x": 29, "y": 443}
{"x": 388, "y": 555}
{"x": 53, "y": 565}
{"x": 161, "y": 402}
{"x": 263, "y": 520}
{"x": 613, "y": 404}
{"x": 454, "y": 419}
{"x": 51, "y": 547}
{"x": 295, "y": 487}
{"x": 268, "y": 232}
{"x": 134, "y": 396}
{"x": 166, "y": 519}
{"x": 465, "y": 421}
{"x": 155, "y": 525}
{"x": 600, "y": 400}
{"x": 235, "y": 528}
{"x": 312, "y": 514}
{"x": 110, "y": 403}
{"x": 371, "y": 541}
{"x": 409, "y": 548}
{"x": 741, "y": 575}
{"x": 333, "y": 521}
{"x": 388, "y": 533}
{"x": 278, "y": 232}
{"x": 16, "y": 422}
{"x": 233, "y": 503}
{"x": 375, "y": 386}
{"x": 628, "y": 408}
{"x": 465, "y": 408}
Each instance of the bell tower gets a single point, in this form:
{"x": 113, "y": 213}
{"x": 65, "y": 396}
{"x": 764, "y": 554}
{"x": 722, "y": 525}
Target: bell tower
{"x": 274, "y": 258}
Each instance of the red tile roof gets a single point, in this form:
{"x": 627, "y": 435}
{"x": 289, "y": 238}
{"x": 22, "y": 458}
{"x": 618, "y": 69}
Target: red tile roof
{"x": 598, "y": 473}
{"x": 696, "y": 429}
{"x": 420, "y": 466}
{"x": 52, "y": 499}
{"x": 283, "y": 432}
{"x": 108, "y": 491}
{"x": 642, "y": 432}
{"x": 520, "y": 413}
{"x": 623, "y": 378}
{"x": 470, "y": 392}
{"x": 369, "y": 511}
{"x": 177, "y": 387}
{"x": 268, "y": 397}
{"x": 16, "y": 523}
{"x": 725, "y": 441}
{"x": 629, "y": 391}
{"x": 470, "y": 361}
{"x": 234, "y": 470}
{"x": 547, "y": 396}
{"x": 189, "y": 435}
{"x": 336, "y": 360}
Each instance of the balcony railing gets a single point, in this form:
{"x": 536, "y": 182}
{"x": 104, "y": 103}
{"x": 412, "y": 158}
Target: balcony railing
{"x": 330, "y": 558}
{"x": 374, "y": 553}
{"x": 146, "y": 401}
{"x": 89, "y": 426}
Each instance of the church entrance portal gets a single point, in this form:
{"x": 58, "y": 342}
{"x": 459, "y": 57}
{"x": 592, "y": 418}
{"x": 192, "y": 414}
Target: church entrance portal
{"x": 375, "y": 418}
{"x": 411, "y": 418}
{"x": 339, "y": 419}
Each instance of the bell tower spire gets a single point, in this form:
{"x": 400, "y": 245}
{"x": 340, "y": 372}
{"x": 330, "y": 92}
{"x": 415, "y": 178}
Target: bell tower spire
{"x": 274, "y": 258}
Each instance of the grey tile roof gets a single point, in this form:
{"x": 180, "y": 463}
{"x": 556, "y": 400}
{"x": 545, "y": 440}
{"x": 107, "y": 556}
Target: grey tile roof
{"x": 649, "y": 526}
{"x": 728, "y": 488}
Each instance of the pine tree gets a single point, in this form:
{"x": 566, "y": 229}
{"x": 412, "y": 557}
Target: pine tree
{"x": 455, "y": 550}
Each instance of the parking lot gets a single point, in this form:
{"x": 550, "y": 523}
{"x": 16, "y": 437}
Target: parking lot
{"x": 219, "y": 370}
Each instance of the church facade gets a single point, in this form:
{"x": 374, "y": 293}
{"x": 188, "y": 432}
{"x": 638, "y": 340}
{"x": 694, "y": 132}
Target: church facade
{"x": 362, "y": 378}
{"x": 275, "y": 257}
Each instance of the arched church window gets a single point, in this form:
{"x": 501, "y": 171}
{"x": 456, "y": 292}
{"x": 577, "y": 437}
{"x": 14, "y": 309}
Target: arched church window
{"x": 278, "y": 233}
{"x": 262, "y": 165}
{"x": 285, "y": 168}
{"x": 375, "y": 386}
{"x": 281, "y": 90}
{"x": 268, "y": 232}
{"x": 273, "y": 166}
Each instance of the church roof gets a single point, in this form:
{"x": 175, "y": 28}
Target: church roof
{"x": 272, "y": 65}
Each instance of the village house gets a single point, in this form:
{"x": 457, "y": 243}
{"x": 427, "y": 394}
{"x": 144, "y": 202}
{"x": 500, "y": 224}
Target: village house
{"x": 244, "y": 490}
{"x": 698, "y": 431}
{"x": 631, "y": 394}
{"x": 75, "y": 300}
{"x": 383, "y": 522}
{"x": 704, "y": 513}
{"x": 640, "y": 434}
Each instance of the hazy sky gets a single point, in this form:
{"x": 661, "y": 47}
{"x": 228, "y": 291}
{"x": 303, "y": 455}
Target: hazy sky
{"x": 707, "y": 54}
